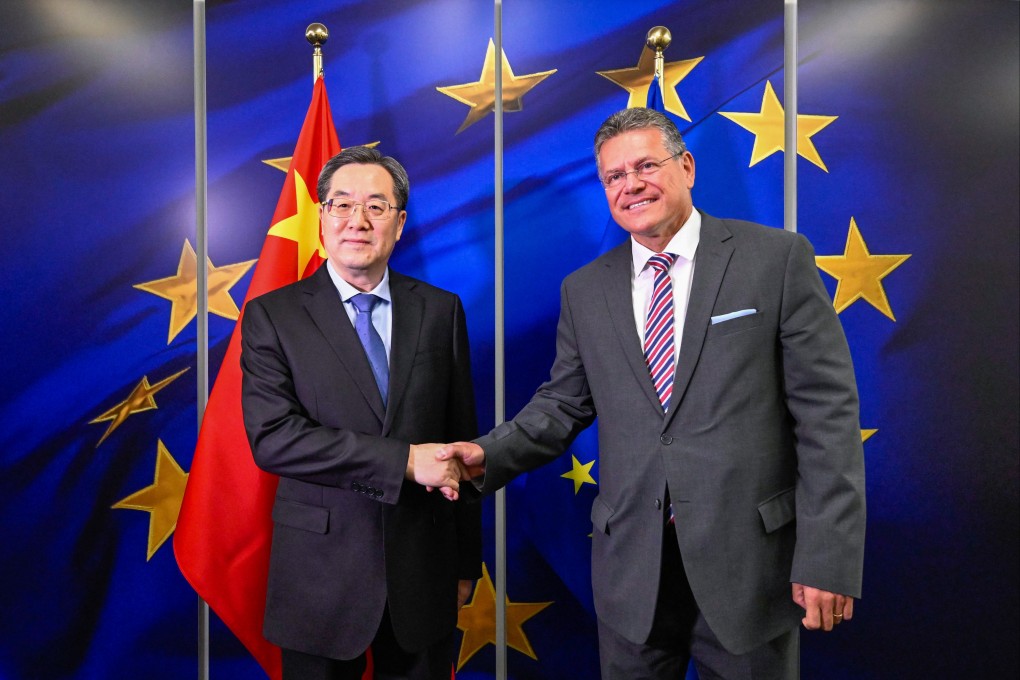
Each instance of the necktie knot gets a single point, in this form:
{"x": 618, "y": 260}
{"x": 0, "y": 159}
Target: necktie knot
{"x": 364, "y": 302}
{"x": 661, "y": 262}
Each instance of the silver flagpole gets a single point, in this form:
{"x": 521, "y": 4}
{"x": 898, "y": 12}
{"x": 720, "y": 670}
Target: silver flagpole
{"x": 790, "y": 129}
{"x": 201, "y": 246}
{"x": 500, "y": 358}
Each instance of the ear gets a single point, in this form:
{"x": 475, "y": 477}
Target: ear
{"x": 401, "y": 219}
{"x": 687, "y": 163}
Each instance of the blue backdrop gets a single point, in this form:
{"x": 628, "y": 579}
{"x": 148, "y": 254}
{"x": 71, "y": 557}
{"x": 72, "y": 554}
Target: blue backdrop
{"x": 97, "y": 137}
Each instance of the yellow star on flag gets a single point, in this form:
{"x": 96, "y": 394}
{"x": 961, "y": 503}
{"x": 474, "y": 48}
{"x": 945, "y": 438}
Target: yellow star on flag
{"x": 867, "y": 434}
{"x": 768, "y": 129}
{"x": 303, "y": 226}
{"x": 283, "y": 163}
{"x": 859, "y": 273}
{"x": 182, "y": 289}
{"x": 579, "y": 474}
{"x": 637, "y": 79}
{"x": 478, "y": 621}
{"x": 161, "y": 499}
{"x": 481, "y": 94}
{"x": 140, "y": 399}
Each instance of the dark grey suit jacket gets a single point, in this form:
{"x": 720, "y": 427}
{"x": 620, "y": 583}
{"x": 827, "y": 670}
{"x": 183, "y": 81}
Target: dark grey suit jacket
{"x": 761, "y": 450}
{"x": 350, "y": 533}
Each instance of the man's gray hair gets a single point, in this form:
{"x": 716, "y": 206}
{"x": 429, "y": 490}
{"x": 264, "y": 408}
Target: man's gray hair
{"x": 366, "y": 156}
{"x": 639, "y": 119}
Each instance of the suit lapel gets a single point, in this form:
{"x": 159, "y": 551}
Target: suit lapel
{"x": 327, "y": 312}
{"x": 408, "y": 312}
{"x": 711, "y": 260}
{"x": 617, "y": 287}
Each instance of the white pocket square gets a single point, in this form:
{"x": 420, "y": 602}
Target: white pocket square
{"x": 732, "y": 315}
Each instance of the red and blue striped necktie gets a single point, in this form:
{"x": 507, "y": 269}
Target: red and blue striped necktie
{"x": 659, "y": 346}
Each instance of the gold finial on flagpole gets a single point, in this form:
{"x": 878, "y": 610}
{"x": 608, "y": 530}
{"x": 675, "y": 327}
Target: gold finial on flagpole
{"x": 658, "y": 40}
{"x": 317, "y": 35}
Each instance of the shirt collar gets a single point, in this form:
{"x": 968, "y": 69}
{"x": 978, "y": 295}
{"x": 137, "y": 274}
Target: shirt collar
{"x": 683, "y": 244}
{"x": 347, "y": 291}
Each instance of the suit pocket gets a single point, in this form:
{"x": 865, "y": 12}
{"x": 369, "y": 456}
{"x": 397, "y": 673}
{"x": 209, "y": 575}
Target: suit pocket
{"x": 779, "y": 510}
{"x": 740, "y": 323}
{"x": 600, "y": 515}
{"x": 312, "y": 518}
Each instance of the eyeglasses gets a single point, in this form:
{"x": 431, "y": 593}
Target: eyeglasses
{"x": 643, "y": 171}
{"x": 376, "y": 209}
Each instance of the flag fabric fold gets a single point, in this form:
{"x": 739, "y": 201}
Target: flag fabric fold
{"x": 224, "y": 529}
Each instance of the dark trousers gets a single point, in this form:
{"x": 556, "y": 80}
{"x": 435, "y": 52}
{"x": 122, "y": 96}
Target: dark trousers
{"x": 680, "y": 635}
{"x": 389, "y": 660}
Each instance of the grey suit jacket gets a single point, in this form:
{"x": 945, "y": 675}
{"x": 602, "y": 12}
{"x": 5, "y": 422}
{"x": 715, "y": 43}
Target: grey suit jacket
{"x": 350, "y": 534}
{"x": 761, "y": 450}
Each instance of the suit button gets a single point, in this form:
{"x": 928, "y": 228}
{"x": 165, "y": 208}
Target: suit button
{"x": 356, "y": 486}
{"x": 378, "y": 493}
{"x": 658, "y": 504}
{"x": 666, "y": 439}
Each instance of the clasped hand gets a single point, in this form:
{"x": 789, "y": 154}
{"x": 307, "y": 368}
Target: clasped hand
{"x": 445, "y": 466}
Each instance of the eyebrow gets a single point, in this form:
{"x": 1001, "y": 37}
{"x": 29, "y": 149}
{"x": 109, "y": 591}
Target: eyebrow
{"x": 341, "y": 192}
{"x": 620, "y": 169}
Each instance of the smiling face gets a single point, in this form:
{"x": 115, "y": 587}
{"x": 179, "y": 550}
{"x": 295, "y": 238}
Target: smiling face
{"x": 359, "y": 248}
{"x": 653, "y": 208}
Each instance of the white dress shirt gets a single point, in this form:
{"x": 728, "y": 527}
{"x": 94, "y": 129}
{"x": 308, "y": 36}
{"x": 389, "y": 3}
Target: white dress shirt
{"x": 683, "y": 244}
{"x": 382, "y": 313}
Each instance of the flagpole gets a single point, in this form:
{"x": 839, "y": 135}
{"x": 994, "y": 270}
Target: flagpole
{"x": 790, "y": 128}
{"x": 500, "y": 367}
{"x": 658, "y": 39}
{"x": 316, "y": 34}
{"x": 201, "y": 245}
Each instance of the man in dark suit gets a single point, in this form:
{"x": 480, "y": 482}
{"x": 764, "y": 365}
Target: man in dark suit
{"x": 342, "y": 372}
{"x": 731, "y": 474}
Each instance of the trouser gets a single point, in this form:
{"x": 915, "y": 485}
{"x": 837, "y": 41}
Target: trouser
{"x": 681, "y": 635}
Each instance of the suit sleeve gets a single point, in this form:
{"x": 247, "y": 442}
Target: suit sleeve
{"x": 463, "y": 425}
{"x": 821, "y": 394}
{"x": 547, "y": 425}
{"x": 286, "y": 441}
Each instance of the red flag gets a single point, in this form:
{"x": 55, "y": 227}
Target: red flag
{"x": 224, "y": 529}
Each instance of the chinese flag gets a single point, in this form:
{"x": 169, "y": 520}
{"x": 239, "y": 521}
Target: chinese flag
{"x": 224, "y": 529}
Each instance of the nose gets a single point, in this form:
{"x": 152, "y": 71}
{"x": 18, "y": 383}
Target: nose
{"x": 358, "y": 218}
{"x": 633, "y": 182}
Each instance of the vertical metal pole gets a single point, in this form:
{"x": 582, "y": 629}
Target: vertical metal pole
{"x": 500, "y": 372}
{"x": 790, "y": 130}
{"x": 201, "y": 218}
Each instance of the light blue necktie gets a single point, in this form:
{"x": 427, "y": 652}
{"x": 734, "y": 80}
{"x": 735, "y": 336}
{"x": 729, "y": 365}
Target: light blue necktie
{"x": 370, "y": 340}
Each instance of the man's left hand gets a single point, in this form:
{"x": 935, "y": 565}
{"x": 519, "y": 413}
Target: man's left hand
{"x": 464, "y": 588}
{"x": 822, "y": 609}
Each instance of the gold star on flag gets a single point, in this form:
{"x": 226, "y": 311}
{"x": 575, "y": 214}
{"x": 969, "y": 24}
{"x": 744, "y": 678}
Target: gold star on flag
{"x": 478, "y": 621}
{"x": 769, "y": 133}
{"x": 182, "y": 289}
{"x": 579, "y": 474}
{"x": 140, "y": 399}
{"x": 859, "y": 273}
{"x": 637, "y": 79}
{"x": 161, "y": 499}
{"x": 283, "y": 163}
{"x": 867, "y": 434}
{"x": 302, "y": 227}
{"x": 481, "y": 94}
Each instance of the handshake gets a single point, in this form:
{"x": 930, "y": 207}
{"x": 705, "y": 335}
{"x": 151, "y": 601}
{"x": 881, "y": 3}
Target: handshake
{"x": 445, "y": 466}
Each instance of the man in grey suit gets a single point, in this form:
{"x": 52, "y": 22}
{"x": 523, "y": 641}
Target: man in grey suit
{"x": 342, "y": 371}
{"x": 731, "y": 484}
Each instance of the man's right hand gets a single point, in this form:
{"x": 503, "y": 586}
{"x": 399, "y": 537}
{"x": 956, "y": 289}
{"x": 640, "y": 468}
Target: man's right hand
{"x": 425, "y": 467}
{"x": 470, "y": 455}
